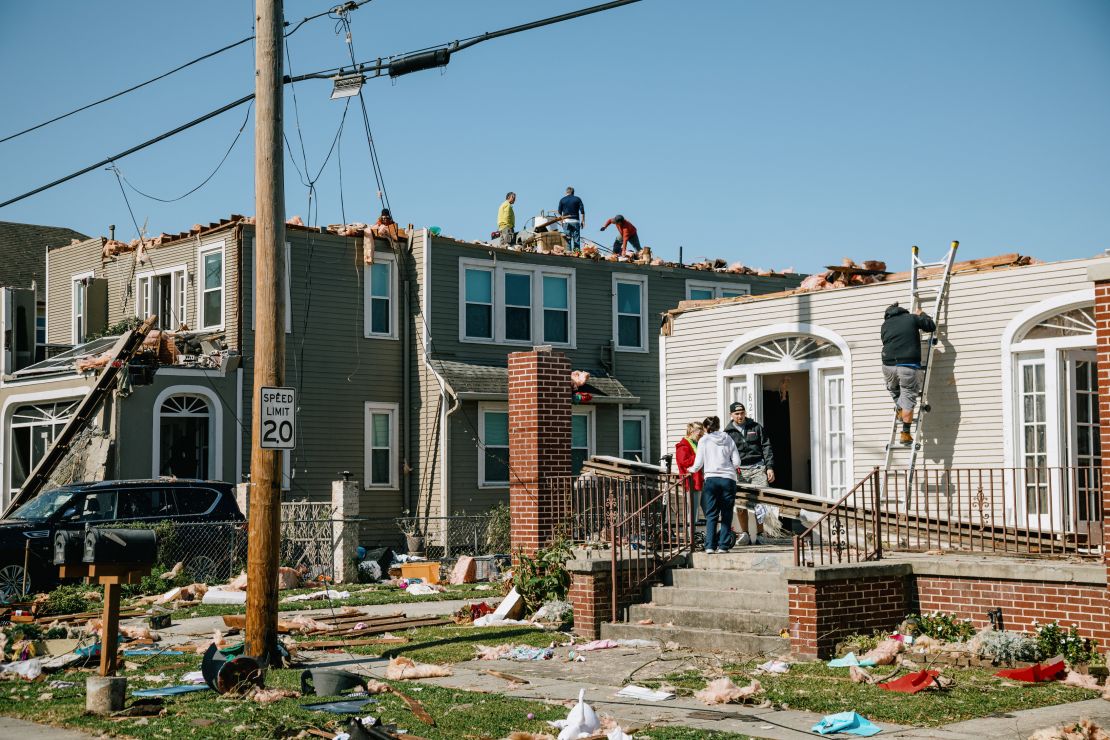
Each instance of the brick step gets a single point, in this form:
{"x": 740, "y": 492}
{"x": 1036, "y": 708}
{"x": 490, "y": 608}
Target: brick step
{"x": 745, "y": 559}
{"x": 699, "y": 639}
{"x": 720, "y": 598}
{"x": 741, "y": 580}
{"x": 727, "y": 620}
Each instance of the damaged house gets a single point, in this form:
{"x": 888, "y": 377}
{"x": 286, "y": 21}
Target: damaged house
{"x": 398, "y": 352}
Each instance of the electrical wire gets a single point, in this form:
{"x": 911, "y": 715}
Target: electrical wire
{"x": 344, "y": 23}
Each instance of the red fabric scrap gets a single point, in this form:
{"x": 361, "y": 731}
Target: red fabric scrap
{"x": 1038, "y": 673}
{"x": 911, "y": 683}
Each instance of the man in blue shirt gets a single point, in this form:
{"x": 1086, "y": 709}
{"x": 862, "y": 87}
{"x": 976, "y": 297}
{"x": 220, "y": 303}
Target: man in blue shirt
{"x": 574, "y": 218}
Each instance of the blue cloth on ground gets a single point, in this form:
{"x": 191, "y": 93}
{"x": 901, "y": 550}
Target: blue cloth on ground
{"x": 150, "y": 651}
{"x": 849, "y": 660}
{"x": 171, "y": 690}
{"x": 349, "y": 706}
{"x": 849, "y": 723}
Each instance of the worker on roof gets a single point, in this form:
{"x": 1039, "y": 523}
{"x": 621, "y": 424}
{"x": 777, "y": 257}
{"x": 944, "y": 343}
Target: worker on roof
{"x": 573, "y": 212}
{"x": 386, "y": 227}
{"x": 627, "y": 243}
{"x": 902, "y": 371}
{"x": 506, "y": 220}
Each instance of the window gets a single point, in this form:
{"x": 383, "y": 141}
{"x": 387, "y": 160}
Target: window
{"x": 493, "y": 455}
{"x": 185, "y": 434}
{"x": 33, "y": 429}
{"x": 634, "y": 435}
{"x": 145, "y": 503}
{"x": 1034, "y": 434}
{"x": 40, "y": 330}
{"x": 581, "y": 438}
{"x": 162, "y": 293}
{"x": 380, "y": 315}
{"x": 381, "y": 445}
{"x": 629, "y": 317}
{"x": 98, "y": 507}
{"x": 790, "y": 348}
{"x": 80, "y": 307}
{"x": 556, "y": 309}
{"x": 195, "y": 501}
{"x": 836, "y": 436}
{"x": 697, "y": 290}
{"x": 518, "y": 306}
{"x": 516, "y": 303}
{"x": 212, "y": 289}
{"x": 478, "y": 313}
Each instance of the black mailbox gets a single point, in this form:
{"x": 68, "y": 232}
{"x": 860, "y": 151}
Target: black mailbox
{"x": 69, "y": 546}
{"x": 115, "y": 546}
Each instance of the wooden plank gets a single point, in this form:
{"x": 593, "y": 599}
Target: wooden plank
{"x": 402, "y": 625}
{"x": 359, "y": 642}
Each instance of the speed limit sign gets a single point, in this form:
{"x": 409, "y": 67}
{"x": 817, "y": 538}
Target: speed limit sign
{"x": 278, "y": 417}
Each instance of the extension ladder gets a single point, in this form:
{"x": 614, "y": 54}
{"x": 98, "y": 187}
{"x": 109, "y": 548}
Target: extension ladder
{"x": 931, "y": 298}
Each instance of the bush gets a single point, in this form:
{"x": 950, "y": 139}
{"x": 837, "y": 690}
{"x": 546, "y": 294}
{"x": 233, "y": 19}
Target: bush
{"x": 498, "y": 532}
{"x": 1008, "y": 647}
{"x": 944, "y": 627}
{"x": 1053, "y": 640}
{"x": 154, "y": 584}
{"x": 67, "y": 599}
{"x": 544, "y": 577}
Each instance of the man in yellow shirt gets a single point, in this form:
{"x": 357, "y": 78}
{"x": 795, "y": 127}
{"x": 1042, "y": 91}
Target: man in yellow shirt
{"x": 506, "y": 220}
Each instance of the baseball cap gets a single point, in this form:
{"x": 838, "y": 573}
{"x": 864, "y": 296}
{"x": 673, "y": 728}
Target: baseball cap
{"x": 736, "y": 406}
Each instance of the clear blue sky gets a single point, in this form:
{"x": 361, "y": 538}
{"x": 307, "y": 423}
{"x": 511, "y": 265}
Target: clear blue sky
{"x": 775, "y": 132}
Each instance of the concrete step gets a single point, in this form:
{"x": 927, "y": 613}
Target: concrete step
{"x": 745, "y": 559}
{"x": 722, "y": 580}
{"x": 698, "y": 639}
{"x": 750, "y": 621}
{"x": 720, "y": 599}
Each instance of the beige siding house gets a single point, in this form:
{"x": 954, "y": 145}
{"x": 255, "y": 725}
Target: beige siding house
{"x": 1014, "y": 380}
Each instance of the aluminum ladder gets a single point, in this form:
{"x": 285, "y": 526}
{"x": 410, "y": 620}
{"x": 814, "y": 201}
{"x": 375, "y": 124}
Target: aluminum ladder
{"x": 931, "y": 298}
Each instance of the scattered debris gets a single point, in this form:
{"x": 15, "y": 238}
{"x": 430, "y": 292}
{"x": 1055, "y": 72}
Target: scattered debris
{"x": 885, "y": 653}
{"x": 774, "y": 666}
{"x": 1084, "y": 729}
{"x": 317, "y": 595}
{"x": 1037, "y": 673}
{"x": 464, "y": 571}
{"x": 849, "y": 723}
{"x": 849, "y": 660}
{"x": 346, "y": 706}
{"x": 581, "y": 722}
{"x": 912, "y": 683}
{"x": 26, "y": 669}
{"x": 270, "y": 696}
{"x": 724, "y": 691}
{"x": 402, "y": 669}
{"x": 505, "y": 676}
{"x": 170, "y": 690}
{"x": 1082, "y": 681}
{"x": 645, "y": 694}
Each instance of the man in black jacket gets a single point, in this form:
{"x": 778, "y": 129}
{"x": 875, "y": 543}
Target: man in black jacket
{"x": 757, "y": 459}
{"x": 902, "y": 371}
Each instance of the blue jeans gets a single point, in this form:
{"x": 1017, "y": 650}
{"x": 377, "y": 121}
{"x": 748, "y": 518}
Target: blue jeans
{"x": 718, "y": 498}
{"x": 573, "y": 230}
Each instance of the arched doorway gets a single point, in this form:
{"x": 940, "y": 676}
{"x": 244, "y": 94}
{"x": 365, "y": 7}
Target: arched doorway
{"x": 185, "y": 437}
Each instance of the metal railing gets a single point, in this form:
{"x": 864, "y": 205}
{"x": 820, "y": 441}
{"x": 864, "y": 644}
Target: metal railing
{"x": 1048, "y": 512}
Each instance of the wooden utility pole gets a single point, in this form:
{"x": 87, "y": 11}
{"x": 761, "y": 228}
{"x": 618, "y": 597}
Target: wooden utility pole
{"x": 269, "y": 339}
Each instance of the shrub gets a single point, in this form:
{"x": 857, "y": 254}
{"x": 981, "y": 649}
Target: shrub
{"x": 67, "y": 599}
{"x": 498, "y": 537}
{"x": 544, "y": 577}
{"x": 1007, "y": 647}
{"x": 944, "y": 627}
{"x": 1053, "y": 640}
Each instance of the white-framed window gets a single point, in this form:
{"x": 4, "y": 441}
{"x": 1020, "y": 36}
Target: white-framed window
{"x": 582, "y": 437}
{"x": 162, "y": 292}
{"x": 79, "y": 302}
{"x": 702, "y": 290}
{"x": 493, "y": 450}
{"x": 210, "y": 286}
{"x": 630, "y": 300}
{"x": 634, "y": 434}
{"x": 33, "y": 429}
{"x": 1033, "y": 408}
{"x": 836, "y": 435}
{"x": 516, "y": 303}
{"x": 381, "y": 446}
{"x": 288, "y": 291}
{"x": 380, "y": 305}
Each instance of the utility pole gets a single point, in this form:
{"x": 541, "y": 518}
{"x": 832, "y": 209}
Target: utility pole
{"x": 269, "y": 339}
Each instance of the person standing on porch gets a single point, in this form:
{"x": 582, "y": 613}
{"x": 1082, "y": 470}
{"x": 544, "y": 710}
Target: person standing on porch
{"x": 902, "y": 371}
{"x": 685, "y": 452}
{"x": 718, "y": 457}
{"x": 757, "y": 465}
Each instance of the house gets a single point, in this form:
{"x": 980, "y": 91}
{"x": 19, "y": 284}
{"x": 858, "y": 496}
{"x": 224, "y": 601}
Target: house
{"x": 1014, "y": 384}
{"x": 399, "y": 364}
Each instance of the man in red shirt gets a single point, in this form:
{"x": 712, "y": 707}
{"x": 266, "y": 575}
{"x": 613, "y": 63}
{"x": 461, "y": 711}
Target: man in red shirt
{"x": 626, "y": 237}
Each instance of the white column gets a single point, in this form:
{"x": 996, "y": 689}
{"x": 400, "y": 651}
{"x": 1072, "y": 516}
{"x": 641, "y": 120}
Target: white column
{"x": 344, "y": 502}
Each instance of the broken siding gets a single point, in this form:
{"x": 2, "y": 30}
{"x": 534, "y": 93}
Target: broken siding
{"x": 965, "y": 428}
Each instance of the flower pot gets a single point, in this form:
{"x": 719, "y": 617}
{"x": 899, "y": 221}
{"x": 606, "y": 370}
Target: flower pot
{"x": 415, "y": 544}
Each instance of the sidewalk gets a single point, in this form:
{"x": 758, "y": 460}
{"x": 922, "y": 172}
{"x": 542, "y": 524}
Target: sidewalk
{"x": 17, "y": 728}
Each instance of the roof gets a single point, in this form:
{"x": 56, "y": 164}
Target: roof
{"x": 24, "y": 248}
{"x": 491, "y": 382}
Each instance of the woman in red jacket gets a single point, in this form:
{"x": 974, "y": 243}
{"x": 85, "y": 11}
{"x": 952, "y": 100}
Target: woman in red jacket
{"x": 684, "y": 453}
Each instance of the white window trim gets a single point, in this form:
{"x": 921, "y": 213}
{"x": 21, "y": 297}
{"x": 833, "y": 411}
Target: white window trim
{"x": 482, "y": 409}
{"x": 7, "y": 410}
{"x": 644, "y": 415}
{"x": 73, "y": 307}
{"x": 203, "y": 251}
{"x": 643, "y": 282}
{"x": 288, "y": 290}
{"x": 591, "y": 428}
{"x": 536, "y": 273}
{"x": 390, "y": 259}
{"x": 215, "y": 429}
{"x": 393, "y": 410}
{"x": 717, "y": 288}
{"x": 172, "y": 272}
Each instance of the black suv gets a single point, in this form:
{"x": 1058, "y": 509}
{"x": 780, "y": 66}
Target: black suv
{"x": 146, "y": 502}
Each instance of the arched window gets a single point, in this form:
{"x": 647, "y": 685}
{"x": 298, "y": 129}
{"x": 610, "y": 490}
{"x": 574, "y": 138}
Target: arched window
{"x": 33, "y": 429}
{"x": 1070, "y": 323}
{"x": 796, "y": 348}
{"x": 185, "y": 426}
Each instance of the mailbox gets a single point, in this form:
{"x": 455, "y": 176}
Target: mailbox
{"x": 117, "y": 546}
{"x": 69, "y": 546}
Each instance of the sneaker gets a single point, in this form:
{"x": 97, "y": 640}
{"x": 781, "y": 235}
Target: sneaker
{"x": 905, "y": 439}
{"x": 710, "y": 552}
{"x": 744, "y": 539}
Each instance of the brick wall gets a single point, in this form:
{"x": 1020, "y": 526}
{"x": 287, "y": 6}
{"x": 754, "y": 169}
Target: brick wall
{"x": 823, "y": 612}
{"x": 1102, "y": 342}
{"x": 591, "y": 597}
{"x": 539, "y": 443}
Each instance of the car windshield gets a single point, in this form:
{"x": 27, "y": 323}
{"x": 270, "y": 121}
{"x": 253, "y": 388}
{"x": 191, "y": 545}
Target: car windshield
{"x": 44, "y": 505}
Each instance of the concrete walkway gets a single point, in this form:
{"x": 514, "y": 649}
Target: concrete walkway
{"x": 17, "y": 728}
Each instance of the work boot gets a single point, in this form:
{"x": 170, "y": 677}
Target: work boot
{"x": 905, "y": 439}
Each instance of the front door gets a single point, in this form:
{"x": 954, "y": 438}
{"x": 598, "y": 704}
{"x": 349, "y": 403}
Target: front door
{"x": 1083, "y": 451}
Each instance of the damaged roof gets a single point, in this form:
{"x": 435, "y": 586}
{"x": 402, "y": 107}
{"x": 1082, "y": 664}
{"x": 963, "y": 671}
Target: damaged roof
{"x": 490, "y": 382}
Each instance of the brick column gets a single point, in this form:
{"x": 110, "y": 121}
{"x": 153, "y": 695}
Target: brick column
{"x": 1100, "y": 274}
{"x": 539, "y": 443}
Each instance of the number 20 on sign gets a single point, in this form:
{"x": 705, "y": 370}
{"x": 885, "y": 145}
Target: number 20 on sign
{"x": 278, "y": 417}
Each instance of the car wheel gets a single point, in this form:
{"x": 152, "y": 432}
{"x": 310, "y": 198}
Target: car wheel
{"x": 202, "y": 569}
{"x": 11, "y": 581}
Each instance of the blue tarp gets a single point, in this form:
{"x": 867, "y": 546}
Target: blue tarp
{"x": 849, "y": 723}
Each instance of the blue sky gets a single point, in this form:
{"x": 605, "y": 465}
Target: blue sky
{"x": 778, "y": 133}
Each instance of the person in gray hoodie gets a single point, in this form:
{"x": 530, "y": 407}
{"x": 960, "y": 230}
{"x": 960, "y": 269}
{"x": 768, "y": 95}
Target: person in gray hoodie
{"x": 719, "y": 458}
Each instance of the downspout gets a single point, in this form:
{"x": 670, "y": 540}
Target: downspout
{"x": 406, "y": 402}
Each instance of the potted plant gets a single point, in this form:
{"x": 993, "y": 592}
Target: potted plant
{"x": 414, "y": 535}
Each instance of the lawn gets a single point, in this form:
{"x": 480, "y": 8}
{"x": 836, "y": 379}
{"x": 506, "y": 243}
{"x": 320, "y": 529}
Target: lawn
{"x": 453, "y": 643}
{"x": 816, "y": 688}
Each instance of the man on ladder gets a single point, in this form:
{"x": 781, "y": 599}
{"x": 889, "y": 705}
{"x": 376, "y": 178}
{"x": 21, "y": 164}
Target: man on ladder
{"x": 902, "y": 369}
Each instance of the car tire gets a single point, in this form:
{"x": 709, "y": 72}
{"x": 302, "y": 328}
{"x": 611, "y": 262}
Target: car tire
{"x": 12, "y": 581}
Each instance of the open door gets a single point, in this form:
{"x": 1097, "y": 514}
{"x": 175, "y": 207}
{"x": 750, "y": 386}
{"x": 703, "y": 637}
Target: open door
{"x": 1083, "y": 453}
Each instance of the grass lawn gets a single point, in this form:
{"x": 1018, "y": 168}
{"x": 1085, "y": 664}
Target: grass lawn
{"x": 817, "y": 688}
{"x": 458, "y": 714}
{"x": 361, "y": 595}
{"x": 454, "y": 643}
